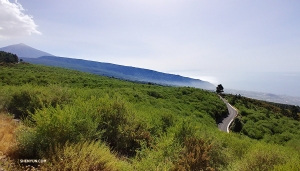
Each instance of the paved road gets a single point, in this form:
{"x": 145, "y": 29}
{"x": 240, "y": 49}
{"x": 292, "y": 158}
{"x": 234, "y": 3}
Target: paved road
{"x": 224, "y": 125}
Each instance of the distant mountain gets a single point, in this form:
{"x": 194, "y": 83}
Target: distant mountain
{"x": 121, "y": 72}
{"x": 22, "y": 50}
{"x": 32, "y": 55}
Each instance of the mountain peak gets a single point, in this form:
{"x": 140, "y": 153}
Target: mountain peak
{"x": 23, "y": 50}
{"x": 21, "y": 44}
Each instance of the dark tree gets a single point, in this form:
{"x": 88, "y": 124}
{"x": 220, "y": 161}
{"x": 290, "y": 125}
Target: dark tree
{"x": 237, "y": 125}
{"x": 295, "y": 111}
{"x": 219, "y": 89}
{"x": 7, "y": 57}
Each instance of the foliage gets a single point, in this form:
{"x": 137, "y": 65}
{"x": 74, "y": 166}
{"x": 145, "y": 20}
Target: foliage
{"x": 186, "y": 131}
{"x": 51, "y": 126}
{"x": 28, "y": 100}
{"x": 144, "y": 126}
{"x": 262, "y": 158}
{"x": 168, "y": 120}
{"x": 195, "y": 156}
{"x": 88, "y": 155}
{"x": 266, "y": 121}
{"x": 6, "y": 57}
{"x": 237, "y": 124}
{"x": 120, "y": 128}
{"x": 219, "y": 89}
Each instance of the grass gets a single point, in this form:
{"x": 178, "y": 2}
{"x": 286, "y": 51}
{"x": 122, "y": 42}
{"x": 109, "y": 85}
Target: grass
{"x": 8, "y": 140}
{"x": 84, "y": 156}
{"x": 8, "y": 128}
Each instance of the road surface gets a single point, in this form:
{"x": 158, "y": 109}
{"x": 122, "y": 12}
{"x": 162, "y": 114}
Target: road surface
{"x": 224, "y": 125}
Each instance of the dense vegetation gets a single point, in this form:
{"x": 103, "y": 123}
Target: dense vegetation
{"x": 270, "y": 122}
{"x": 80, "y": 121}
{"x": 6, "y": 58}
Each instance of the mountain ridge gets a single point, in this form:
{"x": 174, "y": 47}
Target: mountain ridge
{"x": 120, "y": 71}
{"x": 22, "y": 50}
{"x": 32, "y": 55}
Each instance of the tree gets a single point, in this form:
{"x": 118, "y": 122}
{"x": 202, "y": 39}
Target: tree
{"x": 7, "y": 57}
{"x": 295, "y": 110}
{"x": 220, "y": 89}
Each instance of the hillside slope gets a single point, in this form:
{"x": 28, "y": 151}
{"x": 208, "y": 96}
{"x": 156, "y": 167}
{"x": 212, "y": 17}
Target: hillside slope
{"x": 122, "y": 72}
{"x": 31, "y": 55}
{"x": 80, "y": 120}
{"x": 270, "y": 122}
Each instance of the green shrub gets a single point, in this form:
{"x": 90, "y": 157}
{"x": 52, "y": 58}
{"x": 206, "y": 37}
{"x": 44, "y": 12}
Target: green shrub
{"x": 155, "y": 94}
{"x": 237, "y": 124}
{"x": 120, "y": 128}
{"x": 262, "y": 158}
{"x": 168, "y": 120}
{"x": 23, "y": 103}
{"x": 196, "y": 156}
{"x": 185, "y": 131}
{"x": 28, "y": 143}
{"x": 5, "y": 97}
{"x": 159, "y": 157}
{"x": 219, "y": 156}
{"x": 28, "y": 99}
{"x": 291, "y": 165}
{"x": 87, "y": 155}
{"x": 72, "y": 123}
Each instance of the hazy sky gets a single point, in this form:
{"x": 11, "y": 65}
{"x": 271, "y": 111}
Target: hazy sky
{"x": 247, "y": 45}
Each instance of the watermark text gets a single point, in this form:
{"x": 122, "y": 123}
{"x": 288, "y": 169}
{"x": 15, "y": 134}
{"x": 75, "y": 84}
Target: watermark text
{"x": 32, "y": 160}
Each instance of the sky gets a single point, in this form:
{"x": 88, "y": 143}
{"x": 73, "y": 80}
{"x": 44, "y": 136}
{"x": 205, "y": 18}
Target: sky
{"x": 246, "y": 45}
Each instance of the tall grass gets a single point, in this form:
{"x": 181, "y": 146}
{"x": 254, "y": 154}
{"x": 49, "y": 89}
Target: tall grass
{"x": 7, "y": 134}
{"x": 89, "y": 155}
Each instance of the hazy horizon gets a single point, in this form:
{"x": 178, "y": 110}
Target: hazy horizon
{"x": 244, "y": 45}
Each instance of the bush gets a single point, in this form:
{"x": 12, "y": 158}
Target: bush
{"x": 237, "y": 124}
{"x": 291, "y": 165}
{"x": 186, "y": 130}
{"x": 195, "y": 156}
{"x": 168, "y": 120}
{"x": 121, "y": 130}
{"x": 86, "y": 119}
{"x": 72, "y": 123}
{"x": 155, "y": 94}
{"x": 28, "y": 99}
{"x": 27, "y": 143}
{"x": 87, "y": 155}
{"x": 23, "y": 103}
{"x": 262, "y": 158}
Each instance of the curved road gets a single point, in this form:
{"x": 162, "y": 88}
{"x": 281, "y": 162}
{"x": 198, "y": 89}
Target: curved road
{"x": 224, "y": 125}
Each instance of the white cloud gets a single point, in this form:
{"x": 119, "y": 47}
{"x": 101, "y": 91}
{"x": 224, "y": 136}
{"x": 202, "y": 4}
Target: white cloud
{"x": 13, "y": 22}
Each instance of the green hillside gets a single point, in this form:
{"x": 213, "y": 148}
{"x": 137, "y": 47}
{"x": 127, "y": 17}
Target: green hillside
{"x": 80, "y": 121}
{"x": 270, "y": 122}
